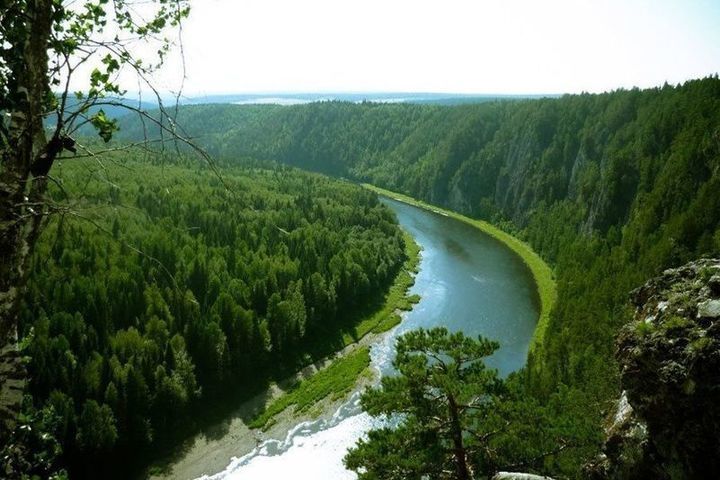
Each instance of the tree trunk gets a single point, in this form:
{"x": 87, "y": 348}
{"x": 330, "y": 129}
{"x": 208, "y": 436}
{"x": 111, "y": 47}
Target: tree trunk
{"x": 21, "y": 195}
{"x": 459, "y": 454}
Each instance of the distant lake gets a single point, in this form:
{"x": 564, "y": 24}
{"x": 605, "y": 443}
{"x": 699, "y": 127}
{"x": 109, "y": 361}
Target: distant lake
{"x": 274, "y": 101}
{"x": 302, "y": 101}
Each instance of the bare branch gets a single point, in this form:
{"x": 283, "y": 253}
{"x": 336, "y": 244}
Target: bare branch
{"x": 533, "y": 462}
{"x": 122, "y": 148}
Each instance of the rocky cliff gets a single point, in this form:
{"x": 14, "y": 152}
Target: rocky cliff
{"x": 667, "y": 423}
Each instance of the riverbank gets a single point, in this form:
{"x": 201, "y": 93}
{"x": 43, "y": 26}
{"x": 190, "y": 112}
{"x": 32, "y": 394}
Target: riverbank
{"x": 315, "y": 392}
{"x": 541, "y": 271}
{"x": 341, "y": 376}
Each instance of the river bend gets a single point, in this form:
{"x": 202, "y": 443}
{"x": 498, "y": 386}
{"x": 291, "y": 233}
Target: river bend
{"x": 468, "y": 281}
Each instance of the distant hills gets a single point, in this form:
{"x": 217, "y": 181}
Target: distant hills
{"x": 360, "y": 97}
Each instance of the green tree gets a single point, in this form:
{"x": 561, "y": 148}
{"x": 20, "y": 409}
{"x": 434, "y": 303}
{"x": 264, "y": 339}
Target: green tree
{"x": 441, "y": 388}
{"x": 97, "y": 430}
{"x": 447, "y": 416}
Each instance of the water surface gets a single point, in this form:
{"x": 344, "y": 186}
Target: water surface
{"x": 468, "y": 281}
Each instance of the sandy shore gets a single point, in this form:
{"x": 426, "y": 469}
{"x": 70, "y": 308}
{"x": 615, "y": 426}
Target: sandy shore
{"x": 211, "y": 451}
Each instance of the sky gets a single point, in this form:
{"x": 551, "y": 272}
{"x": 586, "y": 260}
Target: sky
{"x": 451, "y": 46}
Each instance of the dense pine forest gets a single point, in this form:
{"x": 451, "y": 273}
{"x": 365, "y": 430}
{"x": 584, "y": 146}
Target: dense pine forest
{"x": 161, "y": 288}
{"x": 610, "y": 189}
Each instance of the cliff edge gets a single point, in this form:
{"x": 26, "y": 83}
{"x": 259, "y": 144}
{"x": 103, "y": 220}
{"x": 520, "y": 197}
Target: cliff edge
{"x": 667, "y": 422}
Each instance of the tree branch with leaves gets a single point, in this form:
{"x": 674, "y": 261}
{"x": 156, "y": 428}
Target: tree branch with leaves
{"x": 45, "y": 46}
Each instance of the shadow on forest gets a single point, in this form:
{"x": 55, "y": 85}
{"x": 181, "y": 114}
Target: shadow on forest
{"x": 215, "y": 414}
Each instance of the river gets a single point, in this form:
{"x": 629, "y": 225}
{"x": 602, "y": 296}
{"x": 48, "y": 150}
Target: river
{"x": 468, "y": 281}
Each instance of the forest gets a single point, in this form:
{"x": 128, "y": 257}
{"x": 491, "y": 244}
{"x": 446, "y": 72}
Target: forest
{"x": 162, "y": 287}
{"x": 610, "y": 189}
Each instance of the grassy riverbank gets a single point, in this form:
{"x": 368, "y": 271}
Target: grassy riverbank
{"x": 396, "y": 299}
{"x": 542, "y": 273}
{"x": 336, "y": 380}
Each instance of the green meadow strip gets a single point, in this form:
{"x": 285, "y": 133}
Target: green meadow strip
{"x": 334, "y": 381}
{"x": 340, "y": 377}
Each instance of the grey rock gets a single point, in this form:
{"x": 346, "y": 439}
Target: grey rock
{"x": 714, "y": 285}
{"x": 518, "y": 476}
{"x": 709, "y": 309}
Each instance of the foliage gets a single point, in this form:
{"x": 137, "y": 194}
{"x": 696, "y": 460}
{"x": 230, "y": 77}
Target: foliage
{"x": 397, "y": 299}
{"x": 342, "y": 374}
{"x": 45, "y": 46}
{"x": 31, "y": 451}
{"x": 100, "y": 34}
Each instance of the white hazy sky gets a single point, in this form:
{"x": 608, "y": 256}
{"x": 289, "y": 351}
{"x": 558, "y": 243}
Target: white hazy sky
{"x": 480, "y": 46}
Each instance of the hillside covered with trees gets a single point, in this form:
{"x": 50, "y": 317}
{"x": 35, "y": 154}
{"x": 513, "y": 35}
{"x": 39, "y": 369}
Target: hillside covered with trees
{"x": 162, "y": 288}
{"x": 610, "y": 189}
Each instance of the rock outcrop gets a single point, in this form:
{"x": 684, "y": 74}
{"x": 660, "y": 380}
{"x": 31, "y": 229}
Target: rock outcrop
{"x": 518, "y": 476}
{"x": 667, "y": 423}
